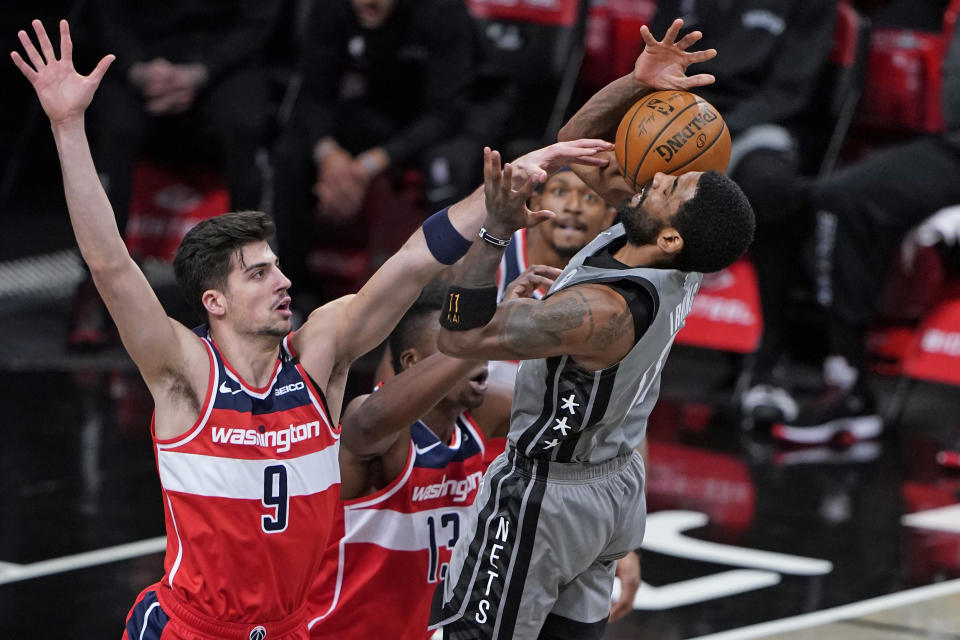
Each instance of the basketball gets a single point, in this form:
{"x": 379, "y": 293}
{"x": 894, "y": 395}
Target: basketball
{"x": 673, "y": 132}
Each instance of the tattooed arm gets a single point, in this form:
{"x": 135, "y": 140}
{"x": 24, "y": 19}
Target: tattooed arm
{"x": 662, "y": 65}
{"x": 590, "y": 322}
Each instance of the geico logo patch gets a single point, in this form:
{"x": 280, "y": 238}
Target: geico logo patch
{"x": 295, "y": 386}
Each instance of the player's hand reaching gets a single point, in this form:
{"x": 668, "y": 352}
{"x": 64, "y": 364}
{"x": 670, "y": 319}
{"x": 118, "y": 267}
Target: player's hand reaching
{"x": 663, "y": 63}
{"x": 506, "y": 191}
{"x": 539, "y": 276}
{"x": 541, "y": 163}
{"x": 64, "y": 94}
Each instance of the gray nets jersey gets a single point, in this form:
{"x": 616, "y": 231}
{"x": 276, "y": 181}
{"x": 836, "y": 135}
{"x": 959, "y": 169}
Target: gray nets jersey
{"x": 565, "y": 413}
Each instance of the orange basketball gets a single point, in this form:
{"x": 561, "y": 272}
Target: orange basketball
{"x": 673, "y": 132}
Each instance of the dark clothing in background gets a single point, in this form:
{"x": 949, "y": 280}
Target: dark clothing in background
{"x": 227, "y": 36}
{"x": 221, "y": 34}
{"x": 865, "y": 210}
{"x": 231, "y": 112}
{"x": 403, "y": 86}
{"x": 770, "y": 54}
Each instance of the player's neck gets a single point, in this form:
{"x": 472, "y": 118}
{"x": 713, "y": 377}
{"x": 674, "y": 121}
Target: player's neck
{"x": 647, "y": 255}
{"x": 442, "y": 420}
{"x": 540, "y": 252}
{"x": 252, "y": 357}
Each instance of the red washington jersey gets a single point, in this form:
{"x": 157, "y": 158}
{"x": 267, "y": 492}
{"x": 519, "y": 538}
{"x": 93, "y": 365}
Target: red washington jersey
{"x": 250, "y": 493}
{"x": 377, "y": 581}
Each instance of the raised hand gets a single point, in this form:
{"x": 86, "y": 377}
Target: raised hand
{"x": 663, "y": 63}
{"x": 506, "y": 193}
{"x": 64, "y": 94}
{"x": 539, "y": 164}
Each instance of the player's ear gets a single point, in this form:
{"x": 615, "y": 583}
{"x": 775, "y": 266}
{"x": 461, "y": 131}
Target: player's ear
{"x": 408, "y": 358}
{"x": 670, "y": 241}
{"x": 214, "y": 302}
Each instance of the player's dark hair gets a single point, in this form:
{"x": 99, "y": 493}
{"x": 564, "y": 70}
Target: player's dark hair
{"x": 716, "y": 225}
{"x": 414, "y": 321}
{"x": 203, "y": 257}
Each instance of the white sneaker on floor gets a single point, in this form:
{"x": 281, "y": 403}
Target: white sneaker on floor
{"x": 768, "y": 403}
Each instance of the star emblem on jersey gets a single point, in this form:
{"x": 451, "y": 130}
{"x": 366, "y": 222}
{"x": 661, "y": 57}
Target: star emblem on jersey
{"x": 569, "y": 403}
{"x": 562, "y": 426}
{"x": 550, "y": 444}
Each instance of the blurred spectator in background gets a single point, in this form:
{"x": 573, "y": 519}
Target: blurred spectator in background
{"x": 190, "y": 62}
{"x": 771, "y": 57}
{"x": 385, "y": 85}
{"x": 864, "y": 212}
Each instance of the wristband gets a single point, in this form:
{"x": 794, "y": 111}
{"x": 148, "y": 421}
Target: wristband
{"x": 443, "y": 240}
{"x": 467, "y": 309}
{"x": 494, "y": 240}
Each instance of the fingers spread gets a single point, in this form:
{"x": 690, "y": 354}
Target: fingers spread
{"x": 699, "y": 80}
{"x": 97, "y": 74}
{"x": 592, "y": 143}
{"x": 66, "y": 43}
{"x": 30, "y": 49}
{"x": 671, "y": 35}
{"x": 648, "y": 38}
{"x": 700, "y": 56}
{"x": 688, "y": 40}
{"x": 45, "y": 45}
{"x": 25, "y": 68}
{"x": 491, "y": 166}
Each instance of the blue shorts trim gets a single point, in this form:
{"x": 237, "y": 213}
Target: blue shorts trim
{"x": 147, "y": 619}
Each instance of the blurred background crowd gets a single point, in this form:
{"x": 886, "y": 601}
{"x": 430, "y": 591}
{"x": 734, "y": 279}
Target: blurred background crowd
{"x": 350, "y": 121}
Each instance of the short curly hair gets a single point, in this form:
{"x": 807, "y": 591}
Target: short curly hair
{"x": 414, "y": 321}
{"x": 203, "y": 257}
{"x": 716, "y": 225}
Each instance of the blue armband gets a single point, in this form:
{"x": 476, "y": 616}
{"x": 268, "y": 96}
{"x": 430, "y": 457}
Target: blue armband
{"x": 444, "y": 241}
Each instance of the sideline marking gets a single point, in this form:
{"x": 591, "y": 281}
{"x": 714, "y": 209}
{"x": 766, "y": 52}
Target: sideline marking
{"x": 697, "y": 590}
{"x": 10, "y": 572}
{"x": 836, "y": 614}
{"x": 664, "y": 535}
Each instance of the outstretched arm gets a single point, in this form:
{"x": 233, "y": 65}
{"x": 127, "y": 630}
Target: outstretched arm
{"x": 662, "y": 65}
{"x": 338, "y": 333}
{"x": 162, "y": 349}
{"x": 376, "y": 427}
{"x": 372, "y": 427}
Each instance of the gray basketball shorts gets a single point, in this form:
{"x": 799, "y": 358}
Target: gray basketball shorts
{"x": 539, "y": 548}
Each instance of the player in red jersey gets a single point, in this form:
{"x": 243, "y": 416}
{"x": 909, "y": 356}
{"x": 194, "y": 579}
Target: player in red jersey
{"x": 244, "y": 409}
{"x": 411, "y": 458}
